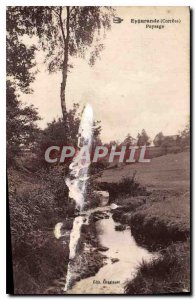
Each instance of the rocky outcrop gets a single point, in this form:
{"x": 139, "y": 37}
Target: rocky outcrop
{"x": 120, "y": 227}
{"x": 98, "y": 215}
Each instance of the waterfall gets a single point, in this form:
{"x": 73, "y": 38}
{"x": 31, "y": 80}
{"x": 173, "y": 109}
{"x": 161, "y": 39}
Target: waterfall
{"x": 76, "y": 181}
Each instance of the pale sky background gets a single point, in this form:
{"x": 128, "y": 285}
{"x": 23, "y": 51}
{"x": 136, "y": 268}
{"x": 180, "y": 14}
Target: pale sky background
{"x": 141, "y": 80}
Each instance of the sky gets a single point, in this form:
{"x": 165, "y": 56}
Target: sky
{"x": 140, "y": 81}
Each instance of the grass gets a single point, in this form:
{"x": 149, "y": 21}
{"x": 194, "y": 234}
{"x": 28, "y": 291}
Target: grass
{"x": 162, "y": 221}
{"x": 168, "y": 172}
{"x": 159, "y": 221}
{"x": 168, "y": 274}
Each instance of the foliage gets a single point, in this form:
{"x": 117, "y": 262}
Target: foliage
{"x": 170, "y": 141}
{"x": 20, "y": 58}
{"x": 185, "y": 137}
{"x": 112, "y": 143}
{"x": 126, "y": 187}
{"x": 158, "y": 140}
{"x": 129, "y": 140}
{"x": 37, "y": 203}
{"x": 182, "y": 140}
{"x": 22, "y": 130}
{"x": 143, "y": 139}
{"x": 97, "y": 168}
{"x": 86, "y": 27}
{"x": 63, "y": 32}
{"x": 54, "y": 133}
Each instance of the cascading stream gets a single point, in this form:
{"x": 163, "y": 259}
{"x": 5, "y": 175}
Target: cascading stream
{"x": 126, "y": 251}
{"x": 76, "y": 181}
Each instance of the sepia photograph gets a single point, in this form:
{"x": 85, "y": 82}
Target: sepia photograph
{"x": 98, "y": 150}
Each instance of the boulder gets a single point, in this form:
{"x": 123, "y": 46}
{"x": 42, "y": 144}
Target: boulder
{"x": 102, "y": 248}
{"x": 120, "y": 227}
{"x": 114, "y": 260}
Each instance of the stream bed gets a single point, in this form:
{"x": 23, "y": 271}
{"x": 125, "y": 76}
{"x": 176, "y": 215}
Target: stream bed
{"x": 123, "y": 258}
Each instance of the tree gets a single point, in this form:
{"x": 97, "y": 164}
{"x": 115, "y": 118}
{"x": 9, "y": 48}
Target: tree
{"x": 143, "y": 139}
{"x": 158, "y": 140}
{"x": 185, "y": 137}
{"x": 54, "y": 133}
{"x": 129, "y": 140}
{"x": 64, "y": 32}
{"x": 20, "y": 58}
{"x": 21, "y": 125}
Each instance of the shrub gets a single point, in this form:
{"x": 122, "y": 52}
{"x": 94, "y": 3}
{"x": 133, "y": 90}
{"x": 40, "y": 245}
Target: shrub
{"x": 37, "y": 203}
{"x": 126, "y": 187}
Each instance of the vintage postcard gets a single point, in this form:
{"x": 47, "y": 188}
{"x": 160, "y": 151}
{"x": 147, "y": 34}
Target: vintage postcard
{"x": 98, "y": 150}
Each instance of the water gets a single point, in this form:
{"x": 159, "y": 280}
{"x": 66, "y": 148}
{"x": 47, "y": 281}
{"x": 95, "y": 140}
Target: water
{"x": 76, "y": 182}
{"x": 78, "y": 176}
{"x": 111, "y": 278}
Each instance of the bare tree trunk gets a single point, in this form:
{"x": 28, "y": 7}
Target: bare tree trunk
{"x": 65, "y": 70}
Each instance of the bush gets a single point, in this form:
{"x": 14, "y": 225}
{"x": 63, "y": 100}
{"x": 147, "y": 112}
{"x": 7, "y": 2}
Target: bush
{"x": 36, "y": 270}
{"x": 98, "y": 167}
{"x": 37, "y": 203}
{"x": 126, "y": 187}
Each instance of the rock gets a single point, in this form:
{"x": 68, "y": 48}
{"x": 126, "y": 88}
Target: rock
{"x": 114, "y": 206}
{"x": 102, "y": 248}
{"x": 98, "y": 216}
{"x": 113, "y": 260}
{"x": 83, "y": 214}
{"x": 120, "y": 227}
{"x": 103, "y": 197}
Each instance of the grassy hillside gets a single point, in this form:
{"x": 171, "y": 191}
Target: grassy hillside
{"x": 167, "y": 172}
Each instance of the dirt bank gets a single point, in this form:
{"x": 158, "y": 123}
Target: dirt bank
{"x": 156, "y": 220}
{"x": 159, "y": 222}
